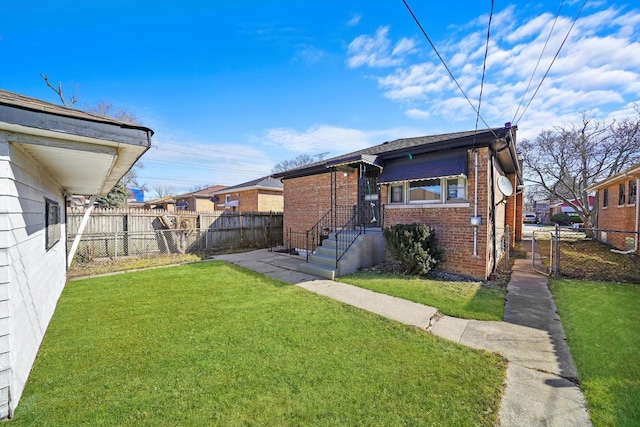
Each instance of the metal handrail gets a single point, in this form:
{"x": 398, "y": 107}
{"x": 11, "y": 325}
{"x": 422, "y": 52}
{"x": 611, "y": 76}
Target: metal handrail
{"x": 314, "y": 232}
{"x": 351, "y": 223}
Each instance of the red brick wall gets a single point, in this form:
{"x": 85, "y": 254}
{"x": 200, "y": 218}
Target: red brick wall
{"x": 453, "y": 225}
{"x": 617, "y": 217}
{"x": 306, "y": 199}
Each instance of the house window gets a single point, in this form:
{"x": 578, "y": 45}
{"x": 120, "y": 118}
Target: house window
{"x": 227, "y": 198}
{"x": 605, "y": 197}
{"x": 397, "y": 193}
{"x": 621, "y": 198}
{"x": 52, "y": 223}
{"x": 456, "y": 189}
{"x": 428, "y": 190}
{"x": 633, "y": 191}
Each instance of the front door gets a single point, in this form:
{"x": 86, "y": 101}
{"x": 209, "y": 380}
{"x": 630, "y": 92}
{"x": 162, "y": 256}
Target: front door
{"x": 369, "y": 198}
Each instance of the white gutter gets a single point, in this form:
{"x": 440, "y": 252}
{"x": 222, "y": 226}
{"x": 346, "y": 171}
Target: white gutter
{"x": 475, "y": 205}
{"x": 83, "y": 224}
{"x": 637, "y": 212}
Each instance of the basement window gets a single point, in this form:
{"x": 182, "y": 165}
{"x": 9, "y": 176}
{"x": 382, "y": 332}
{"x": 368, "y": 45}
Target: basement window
{"x": 52, "y": 223}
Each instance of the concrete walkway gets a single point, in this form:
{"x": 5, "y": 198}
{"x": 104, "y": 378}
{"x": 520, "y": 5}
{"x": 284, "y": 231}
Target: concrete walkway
{"x": 540, "y": 385}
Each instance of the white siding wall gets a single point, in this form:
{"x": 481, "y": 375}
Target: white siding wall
{"x": 31, "y": 277}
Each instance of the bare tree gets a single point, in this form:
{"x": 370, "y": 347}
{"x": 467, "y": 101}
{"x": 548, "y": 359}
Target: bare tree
{"x": 107, "y": 109}
{"x": 164, "y": 190}
{"x": 298, "y": 161}
{"x": 195, "y": 188}
{"x": 566, "y": 160}
{"x": 58, "y": 90}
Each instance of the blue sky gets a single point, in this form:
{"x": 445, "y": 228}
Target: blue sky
{"x": 233, "y": 87}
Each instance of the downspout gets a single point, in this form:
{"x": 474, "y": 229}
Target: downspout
{"x": 475, "y": 202}
{"x": 637, "y": 213}
{"x": 493, "y": 212}
{"x": 83, "y": 224}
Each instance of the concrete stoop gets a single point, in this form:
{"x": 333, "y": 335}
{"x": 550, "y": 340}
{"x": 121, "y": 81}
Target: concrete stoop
{"x": 366, "y": 251}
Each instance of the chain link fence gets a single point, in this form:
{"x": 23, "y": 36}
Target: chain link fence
{"x": 593, "y": 254}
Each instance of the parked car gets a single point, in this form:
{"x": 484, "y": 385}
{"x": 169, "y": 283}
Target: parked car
{"x": 577, "y": 226}
{"x": 530, "y": 218}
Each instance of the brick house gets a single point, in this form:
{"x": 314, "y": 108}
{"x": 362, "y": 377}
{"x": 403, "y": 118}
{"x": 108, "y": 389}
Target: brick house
{"x": 259, "y": 195}
{"x": 199, "y": 201}
{"x": 618, "y": 209}
{"x": 451, "y": 182}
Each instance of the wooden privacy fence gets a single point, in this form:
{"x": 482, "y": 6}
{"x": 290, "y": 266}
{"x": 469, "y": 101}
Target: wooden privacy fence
{"x": 112, "y": 233}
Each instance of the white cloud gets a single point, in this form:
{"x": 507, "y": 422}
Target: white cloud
{"x": 309, "y": 54}
{"x": 598, "y": 68}
{"x": 377, "y": 50}
{"x": 418, "y": 114}
{"x": 355, "y": 20}
{"x": 320, "y": 138}
{"x": 332, "y": 139}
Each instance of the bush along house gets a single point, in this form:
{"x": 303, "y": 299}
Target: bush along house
{"x": 464, "y": 185}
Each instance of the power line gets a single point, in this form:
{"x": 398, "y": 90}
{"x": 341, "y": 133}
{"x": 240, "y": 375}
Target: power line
{"x": 538, "y": 63}
{"x": 446, "y": 67}
{"x": 484, "y": 68}
{"x": 553, "y": 61}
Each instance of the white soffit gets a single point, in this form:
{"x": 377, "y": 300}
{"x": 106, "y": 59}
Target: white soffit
{"x": 77, "y": 171}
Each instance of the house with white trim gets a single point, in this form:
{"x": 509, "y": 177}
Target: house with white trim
{"x": 48, "y": 154}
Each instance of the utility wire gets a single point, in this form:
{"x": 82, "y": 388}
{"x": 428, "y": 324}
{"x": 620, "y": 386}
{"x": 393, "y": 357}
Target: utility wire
{"x": 484, "y": 69}
{"x": 538, "y": 63}
{"x": 446, "y": 67}
{"x": 552, "y": 62}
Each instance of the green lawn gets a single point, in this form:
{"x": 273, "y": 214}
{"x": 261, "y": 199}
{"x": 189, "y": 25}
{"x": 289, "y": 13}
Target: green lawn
{"x": 602, "y": 324}
{"x": 468, "y": 300}
{"x": 214, "y": 344}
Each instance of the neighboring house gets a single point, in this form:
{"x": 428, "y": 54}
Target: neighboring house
{"x": 567, "y": 209}
{"x": 200, "y": 201}
{"x": 450, "y": 182}
{"x": 166, "y": 203}
{"x": 48, "y": 153}
{"x": 260, "y": 195}
{"x": 542, "y": 211}
{"x": 618, "y": 209}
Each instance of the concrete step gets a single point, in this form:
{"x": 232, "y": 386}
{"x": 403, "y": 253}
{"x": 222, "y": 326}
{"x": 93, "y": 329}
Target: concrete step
{"x": 326, "y": 259}
{"x": 318, "y": 270}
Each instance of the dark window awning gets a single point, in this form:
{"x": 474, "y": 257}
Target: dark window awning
{"x": 435, "y": 165}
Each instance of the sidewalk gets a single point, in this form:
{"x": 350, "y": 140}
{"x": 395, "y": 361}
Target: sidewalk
{"x": 540, "y": 388}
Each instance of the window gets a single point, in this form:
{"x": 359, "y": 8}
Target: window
{"x": 52, "y": 223}
{"x": 227, "y": 198}
{"x": 435, "y": 190}
{"x": 621, "y": 198}
{"x": 633, "y": 191}
{"x": 456, "y": 189}
{"x": 605, "y": 197}
{"x": 428, "y": 190}
{"x": 396, "y": 193}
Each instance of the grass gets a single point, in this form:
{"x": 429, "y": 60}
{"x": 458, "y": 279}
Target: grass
{"x": 602, "y": 324}
{"x": 592, "y": 260}
{"x": 214, "y": 344}
{"x": 468, "y": 300}
{"x": 108, "y": 265}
